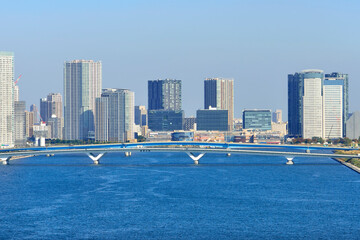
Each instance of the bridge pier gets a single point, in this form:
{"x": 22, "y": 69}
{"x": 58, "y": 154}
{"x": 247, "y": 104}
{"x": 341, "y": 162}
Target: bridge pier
{"x": 289, "y": 160}
{"x": 195, "y": 158}
{"x": 5, "y": 161}
{"x": 96, "y": 159}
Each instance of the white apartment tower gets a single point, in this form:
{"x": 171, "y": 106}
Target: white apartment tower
{"x": 82, "y": 85}
{"x": 6, "y": 98}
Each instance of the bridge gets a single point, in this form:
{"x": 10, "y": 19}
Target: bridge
{"x": 195, "y": 150}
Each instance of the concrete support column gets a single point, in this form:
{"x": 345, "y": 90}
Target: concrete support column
{"x": 289, "y": 160}
{"x": 5, "y": 161}
{"x": 96, "y": 159}
{"x": 195, "y": 158}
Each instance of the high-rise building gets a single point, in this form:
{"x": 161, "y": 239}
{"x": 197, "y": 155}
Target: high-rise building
{"x": 219, "y": 94}
{"x": 16, "y": 93}
{"x": 141, "y": 117}
{"x": 82, "y": 85}
{"x": 313, "y": 104}
{"x": 353, "y": 126}
{"x": 51, "y": 105}
{"x": 34, "y": 109}
{"x": 29, "y": 124}
{"x": 19, "y": 123}
{"x": 256, "y": 119}
{"x": 44, "y": 110}
{"x": 336, "y": 88}
{"x": 102, "y": 119}
{"x": 55, "y": 125}
{"x": 164, "y": 100}
{"x": 6, "y": 98}
{"x": 277, "y": 116}
{"x": 317, "y": 106}
{"x": 333, "y": 108}
{"x": 164, "y": 95}
{"x": 305, "y": 103}
{"x": 115, "y": 115}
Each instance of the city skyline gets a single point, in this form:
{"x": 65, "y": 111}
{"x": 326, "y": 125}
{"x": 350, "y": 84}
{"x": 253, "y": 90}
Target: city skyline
{"x": 250, "y": 44}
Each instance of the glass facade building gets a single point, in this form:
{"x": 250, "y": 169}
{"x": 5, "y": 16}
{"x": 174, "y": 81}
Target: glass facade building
{"x": 257, "y": 119}
{"x": 164, "y": 95}
{"x": 212, "y": 120}
{"x": 182, "y": 136}
{"x": 19, "y": 123}
{"x": 161, "y": 120}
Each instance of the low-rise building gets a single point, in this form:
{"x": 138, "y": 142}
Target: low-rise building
{"x": 212, "y": 120}
{"x": 256, "y": 119}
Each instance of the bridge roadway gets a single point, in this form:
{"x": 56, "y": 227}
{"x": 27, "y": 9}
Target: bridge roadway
{"x": 195, "y": 152}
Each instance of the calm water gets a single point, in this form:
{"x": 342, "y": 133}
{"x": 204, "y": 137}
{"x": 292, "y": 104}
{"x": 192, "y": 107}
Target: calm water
{"x": 164, "y": 196}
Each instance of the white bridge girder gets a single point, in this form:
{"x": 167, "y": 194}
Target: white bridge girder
{"x": 195, "y": 158}
{"x": 5, "y": 161}
{"x": 289, "y": 160}
{"x": 96, "y": 159}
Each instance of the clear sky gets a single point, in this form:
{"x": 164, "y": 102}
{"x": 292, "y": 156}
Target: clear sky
{"x": 255, "y": 42}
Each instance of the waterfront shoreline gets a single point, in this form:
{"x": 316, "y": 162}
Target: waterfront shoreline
{"x": 349, "y": 165}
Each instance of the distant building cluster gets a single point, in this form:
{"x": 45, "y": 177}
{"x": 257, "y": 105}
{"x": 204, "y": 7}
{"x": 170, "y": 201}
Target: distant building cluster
{"x": 318, "y": 106}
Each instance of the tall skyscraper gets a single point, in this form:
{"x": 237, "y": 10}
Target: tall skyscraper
{"x": 141, "y": 117}
{"x": 34, "y": 109}
{"x": 16, "y": 93}
{"x": 44, "y": 110}
{"x": 164, "y": 95}
{"x": 82, "y": 85}
{"x": 317, "y": 106}
{"x": 115, "y": 115}
{"x": 6, "y": 98}
{"x": 313, "y": 104}
{"x": 29, "y": 124}
{"x": 219, "y": 94}
{"x": 19, "y": 123}
{"x": 277, "y": 116}
{"x": 51, "y": 113}
{"x": 336, "y": 100}
{"x": 305, "y": 104}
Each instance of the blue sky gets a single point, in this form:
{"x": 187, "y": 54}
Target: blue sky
{"x": 255, "y": 42}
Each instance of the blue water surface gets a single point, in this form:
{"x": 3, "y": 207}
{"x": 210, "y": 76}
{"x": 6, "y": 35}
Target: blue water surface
{"x": 165, "y": 196}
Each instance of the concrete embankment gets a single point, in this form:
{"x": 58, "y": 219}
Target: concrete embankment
{"x": 349, "y": 165}
{"x": 19, "y": 157}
